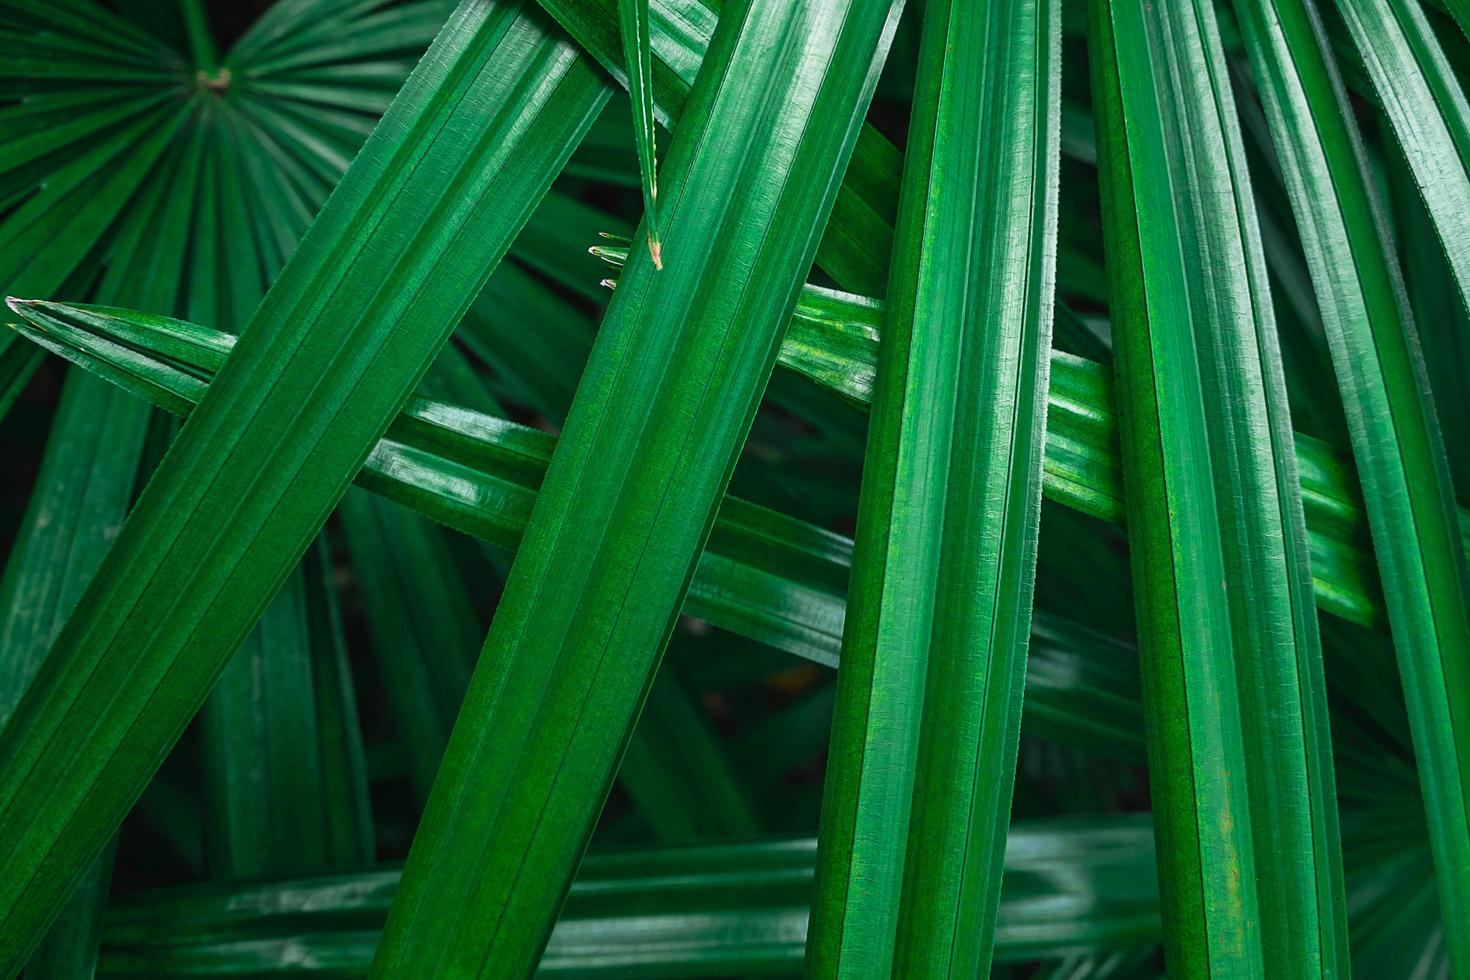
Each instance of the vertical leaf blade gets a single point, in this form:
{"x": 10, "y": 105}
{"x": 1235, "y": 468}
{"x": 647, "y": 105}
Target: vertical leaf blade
{"x": 1239, "y": 748}
{"x": 1391, "y": 421}
{"x": 934, "y": 652}
{"x": 633, "y": 21}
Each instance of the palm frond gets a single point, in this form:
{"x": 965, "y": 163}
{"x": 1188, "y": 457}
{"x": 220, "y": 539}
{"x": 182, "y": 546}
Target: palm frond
{"x": 93, "y": 689}
{"x": 929, "y": 695}
{"x": 1215, "y": 339}
{"x": 706, "y": 347}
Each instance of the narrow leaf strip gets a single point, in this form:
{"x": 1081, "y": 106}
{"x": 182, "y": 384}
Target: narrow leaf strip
{"x": 18, "y": 361}
{"x": 1081, "y": 463}
{"x": 633, "y": 21}
{"x": 999, "y": 119}
{"x": 281, "y": 792}
{"x": 1427, "y": 111}
{"x": 763, "y": 575}
{"x": 1395, "y": 435}
{"x": 1206, "y": 514}
{"x": 668, "y": 395}
{"x": 940, "y": 601}
{"x": 430, "y": 205}
{"x": 422, "y": 623}
{"x": 856, "y": 245}
{"x": 1199, "y": 251}
{"x": 834, "y": 338}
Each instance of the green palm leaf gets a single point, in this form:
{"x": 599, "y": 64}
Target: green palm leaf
{"x": 171, "y": 157}
{"x": 422, "y": 621}
{"x": 1396, "y": 443}
{"x": 929, "y": 696}
{"x": 1427, "y": 111}
{"x": 241, "y": 455}
{"x": 281, "y": 745}
{"x": 855, "y": 249}
{"x": 1233, "y": 688}
{"x": 633, "y": 19}
{"x": 542, "y": 714}
{"x": 834, "y": 337}
{"x": 764, "y": 575}
{"x": 1079, "y": 884}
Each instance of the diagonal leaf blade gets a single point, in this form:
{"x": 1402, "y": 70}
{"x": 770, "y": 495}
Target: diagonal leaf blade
{"x": 1427, "y": 111}
{"x": 763, "y": 575}
{"x": 493, "y": 112}
{"x": 668, "y": 395}
{"x": 1234, "y": 691}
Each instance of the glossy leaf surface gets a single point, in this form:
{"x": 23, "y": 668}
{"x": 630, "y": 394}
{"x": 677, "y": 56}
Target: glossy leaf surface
{"x": 929, "y": 695}
{"x": 547, "y": 712}
{"x": 1234, "y": 696}
{"x": 245, "y": 465}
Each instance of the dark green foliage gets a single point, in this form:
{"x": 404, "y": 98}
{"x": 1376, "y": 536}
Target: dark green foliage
{"x": 459, "y": 519}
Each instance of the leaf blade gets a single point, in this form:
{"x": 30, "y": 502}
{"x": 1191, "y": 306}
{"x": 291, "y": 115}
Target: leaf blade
{"x": 669, "y": 393}
{"x": 930, "y": 690}
{"x": 1234, "y": 690}
{"x": 270, "y": 373}
{"x": 1396, "y": 445}
{"x": 633, "y": 21}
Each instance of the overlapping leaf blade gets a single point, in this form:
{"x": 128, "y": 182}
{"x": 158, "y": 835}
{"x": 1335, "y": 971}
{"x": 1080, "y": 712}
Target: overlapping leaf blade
{"x": 764, "y": 575}
{"x": 109, "y": 134}
{"x": 855, "y": 249}
{"x": 1427, "y": 111}
{"x": 1235, "y": 701}
{"x": 1079, "y": 884}
{"x": 668, "y": 394}
{"x": 430, "y": 207}
{"x": 833, "y": 340}
{"x": 1396, "y": 444}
